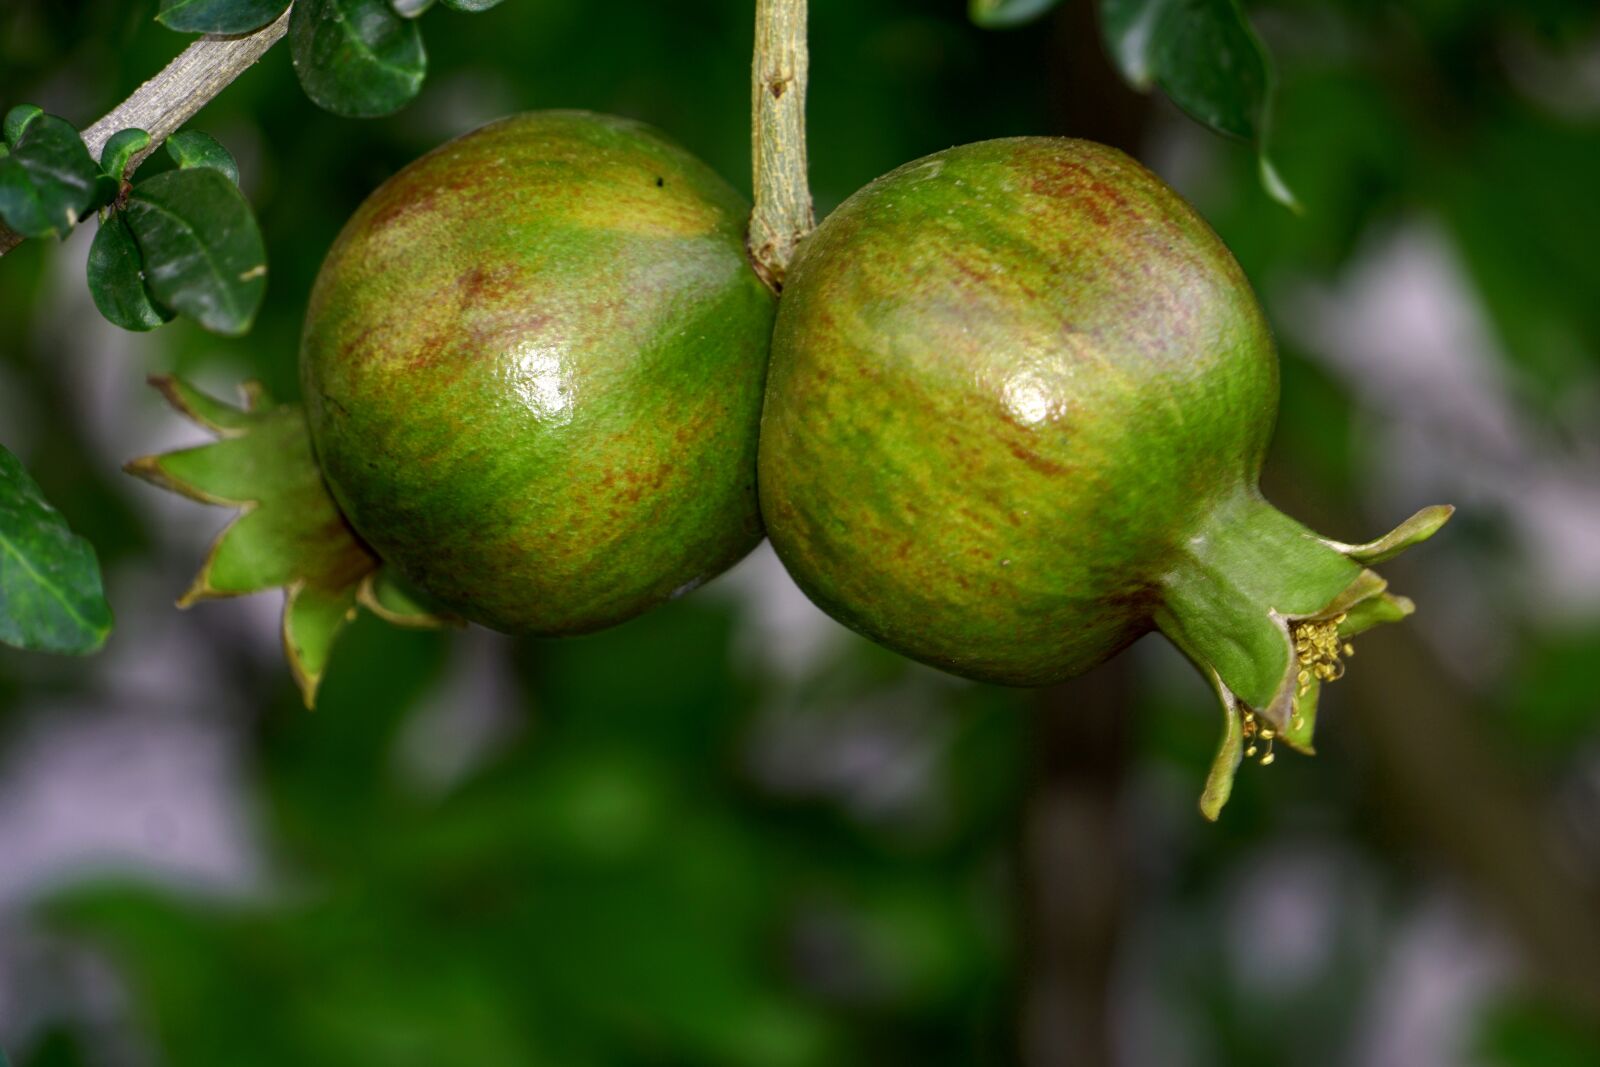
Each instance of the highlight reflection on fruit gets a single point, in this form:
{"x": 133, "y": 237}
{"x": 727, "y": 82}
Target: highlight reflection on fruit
{"x": 1018, "y": 403}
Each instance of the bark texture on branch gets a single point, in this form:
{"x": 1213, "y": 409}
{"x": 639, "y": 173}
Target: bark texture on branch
{"x": 163, "y": 104}
{"x": 783, "y": 212}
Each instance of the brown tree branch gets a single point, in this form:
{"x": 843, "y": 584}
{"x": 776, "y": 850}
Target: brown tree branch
{"x": 163, "y": 104}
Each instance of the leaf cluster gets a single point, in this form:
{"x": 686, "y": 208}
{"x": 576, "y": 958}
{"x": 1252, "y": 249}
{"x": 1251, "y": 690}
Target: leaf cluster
{"x": 180, "y": 242}
{"x": 357, "y": 58}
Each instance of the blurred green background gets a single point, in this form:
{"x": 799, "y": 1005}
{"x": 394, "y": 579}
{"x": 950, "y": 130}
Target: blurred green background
{"x": 730, "y": 833}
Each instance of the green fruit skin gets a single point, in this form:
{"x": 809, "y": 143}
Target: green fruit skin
{"x": 1008, "y": 381}
{"x": 533, "y": 367}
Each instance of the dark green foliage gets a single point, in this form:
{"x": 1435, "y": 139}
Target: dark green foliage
{"x": 1206, "y": 57}
{"x": 17, "y": 121}
{"x": 202, "y": 251}
{"x": 356, "y": 58}
{"x": 50, "y": 594}
{"x": 120, "y": 149}
{"x": 116, "y": 279}
{"x": 181, "y": 242}
{"x": 219, "y": 16}
{"x": 188, "y": 237}
{"x": 48, "y": 182}
{"x": 191, "y": 148}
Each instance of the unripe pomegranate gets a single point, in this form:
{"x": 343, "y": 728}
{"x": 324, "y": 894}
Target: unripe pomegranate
{"x": 533, "y": 368}
{"x": 1015, "y": 418}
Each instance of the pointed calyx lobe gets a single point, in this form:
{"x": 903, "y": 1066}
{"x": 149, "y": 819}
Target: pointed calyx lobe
{"x": 1265, "y": 608}
{"x": 289, "y": 533}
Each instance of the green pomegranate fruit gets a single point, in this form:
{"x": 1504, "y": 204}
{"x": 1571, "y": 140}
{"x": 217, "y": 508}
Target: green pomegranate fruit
{"x": 533, "y": 367}
{"x": 1015, "y": 418}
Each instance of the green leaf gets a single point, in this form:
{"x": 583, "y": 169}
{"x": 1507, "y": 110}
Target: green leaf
{"x": 997, "y": 14}
{"x": 356, "y": 57}
{"x": 120, "y": 149}
{"x": 1206, "y": 57}
{"x": 218, "y": 16}
{"x": 1129, "y": 28}
{"x": 116, "y": 279}
{"x": 48, "y": 181}
{"x": 51, "y": 599}
{"x": 191, "y": 148}
{"x": 203, "y": 254}
{"x": 1209, "y": 61}
{"x": 18, "y": 119}
{"x": 290, "y": 533}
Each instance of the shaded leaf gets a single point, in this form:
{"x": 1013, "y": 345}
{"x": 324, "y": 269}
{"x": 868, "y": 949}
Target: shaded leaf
{"x": 203, "y": 254}
{"x": 356, "y": 57}
{"x": 1130, "y": 31}
{"x": 48, "y": 181}
{"x": 120, "y": 149}
{"x": 17, "y": 120}
{"x": 191, "y": 148}
{"x": 997, "y": 14}
{"x": 51, "y": 598}
{"x": 218, "y": 16}
{"x": 116, "y": 279}
{"x": 289, "y": 533}
{"x": 1209, "y": 61}
{"x": 1206, "y": 57}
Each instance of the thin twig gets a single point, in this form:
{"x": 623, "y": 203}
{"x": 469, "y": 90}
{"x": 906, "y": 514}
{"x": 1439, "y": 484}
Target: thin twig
{"x": 164, "y": 103}
{"x": 782, "y": 213}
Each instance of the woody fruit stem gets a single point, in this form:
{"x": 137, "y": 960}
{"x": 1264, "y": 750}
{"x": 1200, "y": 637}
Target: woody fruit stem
{"x": 783, "y": 213}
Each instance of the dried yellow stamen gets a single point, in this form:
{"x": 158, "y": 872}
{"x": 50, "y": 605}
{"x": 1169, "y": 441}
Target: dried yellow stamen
{"x": 1321, "y": 654}
{"x": 1253, "y": 730}
{"x": 1317, "y": 644}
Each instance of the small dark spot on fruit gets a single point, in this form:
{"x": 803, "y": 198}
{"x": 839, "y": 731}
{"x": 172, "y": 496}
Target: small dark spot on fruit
{"x": 660, "y": 181}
